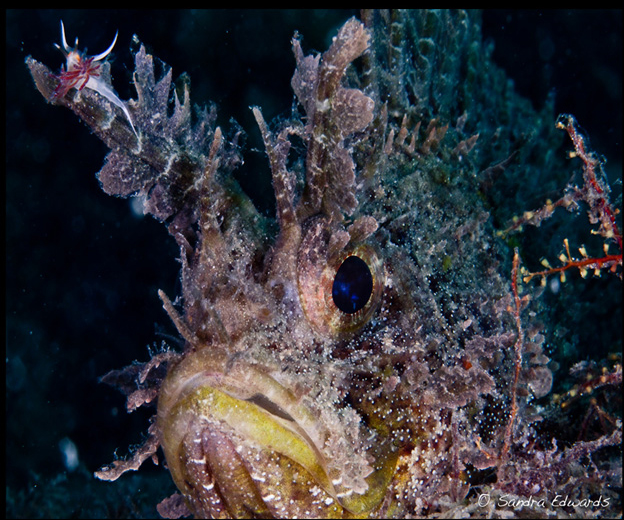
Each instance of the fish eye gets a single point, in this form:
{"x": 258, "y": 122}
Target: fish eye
{"x": 353, "y": 285}
{"x": 340, "y": 291}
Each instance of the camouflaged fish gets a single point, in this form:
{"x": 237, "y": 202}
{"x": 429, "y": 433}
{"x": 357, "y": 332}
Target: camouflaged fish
{"x": 357, "y": 362}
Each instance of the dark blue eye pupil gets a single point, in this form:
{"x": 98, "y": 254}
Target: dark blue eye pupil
{"x": 353, "y": 285}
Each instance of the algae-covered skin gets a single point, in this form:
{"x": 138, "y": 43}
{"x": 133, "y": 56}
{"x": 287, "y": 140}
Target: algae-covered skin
{"x": 354, "y": 355}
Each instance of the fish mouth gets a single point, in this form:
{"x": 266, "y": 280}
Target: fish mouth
{"x": 238, "y": 442}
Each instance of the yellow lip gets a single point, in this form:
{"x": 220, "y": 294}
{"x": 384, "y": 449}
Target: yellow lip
{"x": 236, "y": 436}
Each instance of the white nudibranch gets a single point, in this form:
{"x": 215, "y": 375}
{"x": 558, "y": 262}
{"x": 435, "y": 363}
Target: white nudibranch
{"x": 83, "y": 71}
